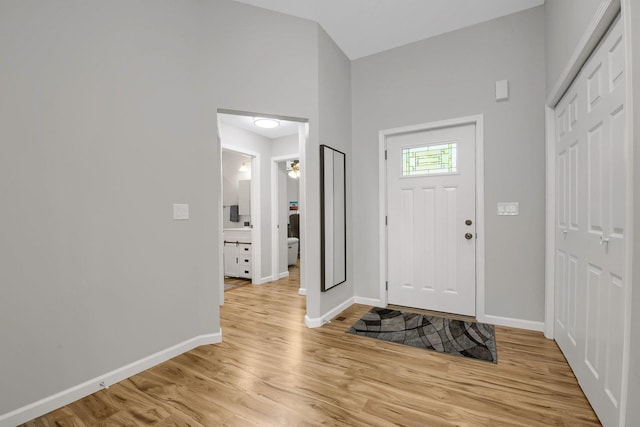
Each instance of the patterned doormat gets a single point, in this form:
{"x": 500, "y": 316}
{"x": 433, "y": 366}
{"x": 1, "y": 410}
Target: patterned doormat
{"x": 474, "y": 340}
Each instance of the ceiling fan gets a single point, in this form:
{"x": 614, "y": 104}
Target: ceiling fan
{"x": 293, "y": 166}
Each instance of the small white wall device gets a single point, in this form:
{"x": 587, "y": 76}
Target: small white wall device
{"x": 502, "y": 90}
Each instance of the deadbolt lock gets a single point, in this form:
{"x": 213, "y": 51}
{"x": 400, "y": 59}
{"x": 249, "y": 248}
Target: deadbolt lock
{"x": 468, "y": 222}
{"x": 468, "y": 236}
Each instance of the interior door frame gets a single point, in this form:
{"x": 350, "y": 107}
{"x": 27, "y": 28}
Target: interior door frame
{"x": 478, "y": 121}
{"x": 604, "y": 17}
{"x": 275, "y": 210}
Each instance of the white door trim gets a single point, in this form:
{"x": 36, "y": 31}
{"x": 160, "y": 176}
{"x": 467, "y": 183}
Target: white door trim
{"x": 275, "y": 208}
{"x": 626, "y": 17}
{"x": 605, "y": 15}
{"x": 550, "y": 222}
{"x": 303, "y": 144}
{"x": 478, "y": 121}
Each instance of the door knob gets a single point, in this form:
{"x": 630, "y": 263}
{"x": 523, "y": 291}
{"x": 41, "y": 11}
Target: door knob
{"x": 468, "y": 222}
{"x": 468, "y": 236}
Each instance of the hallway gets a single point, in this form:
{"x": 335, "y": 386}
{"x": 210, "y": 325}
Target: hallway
{"x": 272, "y": 370}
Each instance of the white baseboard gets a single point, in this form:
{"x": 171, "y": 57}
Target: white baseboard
{"x": 376, "y": 302}
{"x": 60, "y": 399}
{"x": 337, "y": 310}
{"x": 263, "y": 280}
{"x": 302, "y": 291}
{"x": 283, "y": 275}
{"x": 316, "y": 322}
{"x": 512, "y": 323}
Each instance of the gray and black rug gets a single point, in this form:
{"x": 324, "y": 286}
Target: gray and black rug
{"x": 474, "y": 340}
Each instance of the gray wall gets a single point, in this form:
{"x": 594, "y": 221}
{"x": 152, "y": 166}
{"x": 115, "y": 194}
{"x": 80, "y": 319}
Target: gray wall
{"x": 565, "y": 21}
{"x": 101, "y": 132}
{"x": 449, "y": 76}
{"x": 335, "y": 130}
{"x": 107, "y": 117}
{"x": 285, "y": 145}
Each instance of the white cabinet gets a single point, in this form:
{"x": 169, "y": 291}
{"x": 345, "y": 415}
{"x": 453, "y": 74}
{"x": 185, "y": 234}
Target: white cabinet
{"x": 244, "y": 260}
{"x": 237, "y": 254}
{"x": 244, "y": 197}
{"x": 231, "y": 260}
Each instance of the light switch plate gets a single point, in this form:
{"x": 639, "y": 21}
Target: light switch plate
{"x": 508, "y": 208}
{"x": 180, "y": 211}
{"x": 502, "y": 90}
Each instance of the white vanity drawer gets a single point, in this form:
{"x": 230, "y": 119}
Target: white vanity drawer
{"x": 245, "y": 271}
{"x": 244, "y": 260}
{"x": 244, "y": 249}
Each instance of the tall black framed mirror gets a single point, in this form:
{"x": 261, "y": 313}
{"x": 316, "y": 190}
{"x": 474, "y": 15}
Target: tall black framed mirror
{"x": 333, "y": 218}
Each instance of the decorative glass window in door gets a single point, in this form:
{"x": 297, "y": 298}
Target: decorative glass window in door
{"x": 429, "y": 159}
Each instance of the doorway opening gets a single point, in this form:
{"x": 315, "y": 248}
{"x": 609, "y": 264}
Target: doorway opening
{"x": 285, "y": 202}
{"x": 237, "y": 217}
{"x": 256, "y": 202}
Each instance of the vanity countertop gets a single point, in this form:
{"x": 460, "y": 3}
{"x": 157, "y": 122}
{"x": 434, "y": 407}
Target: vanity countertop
{"x": 238, "y": 235}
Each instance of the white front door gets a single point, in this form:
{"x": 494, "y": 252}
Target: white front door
{"x": 590, "y": 283}
{"x": 431, "y": 219}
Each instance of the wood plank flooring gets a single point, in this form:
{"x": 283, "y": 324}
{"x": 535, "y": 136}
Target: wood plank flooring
{"x": 273, "y": 371}
{"x": 235, "y": 282}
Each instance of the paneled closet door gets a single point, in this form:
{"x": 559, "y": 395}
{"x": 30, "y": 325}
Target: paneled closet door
{"x": 590, "y": 234}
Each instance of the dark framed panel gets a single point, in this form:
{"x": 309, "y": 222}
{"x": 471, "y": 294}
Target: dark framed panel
{"x": 333, "y": 218}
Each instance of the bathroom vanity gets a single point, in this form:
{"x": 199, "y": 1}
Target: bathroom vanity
{"x": 237, "y": 253}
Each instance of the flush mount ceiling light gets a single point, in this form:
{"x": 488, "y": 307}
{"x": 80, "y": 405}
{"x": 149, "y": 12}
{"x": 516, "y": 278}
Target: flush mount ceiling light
{"x": 262, "y": 122}
{"x": 243, "y": 167}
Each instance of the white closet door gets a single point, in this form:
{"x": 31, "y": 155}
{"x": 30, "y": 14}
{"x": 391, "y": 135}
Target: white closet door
{"x": 590, "y": 227}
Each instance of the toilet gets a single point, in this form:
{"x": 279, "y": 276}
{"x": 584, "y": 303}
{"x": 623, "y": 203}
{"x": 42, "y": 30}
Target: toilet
{"x": 292, "y": 249}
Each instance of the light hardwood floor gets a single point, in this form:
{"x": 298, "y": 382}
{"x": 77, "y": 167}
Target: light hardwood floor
{"x": 273, "y": 371}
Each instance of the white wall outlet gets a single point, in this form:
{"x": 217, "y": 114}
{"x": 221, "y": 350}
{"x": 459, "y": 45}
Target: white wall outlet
{"x": 508, "y": 208}
{"x": 502, "y": 90}
{"x": 180, "y": 211}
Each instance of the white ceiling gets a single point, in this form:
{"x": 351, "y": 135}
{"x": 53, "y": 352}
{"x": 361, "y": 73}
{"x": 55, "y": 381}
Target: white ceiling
{"x": 365, "y": 27}
{"x": 246, "y": 122}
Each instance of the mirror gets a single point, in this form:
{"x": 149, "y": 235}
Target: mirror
{"x": 333, "y": 230}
